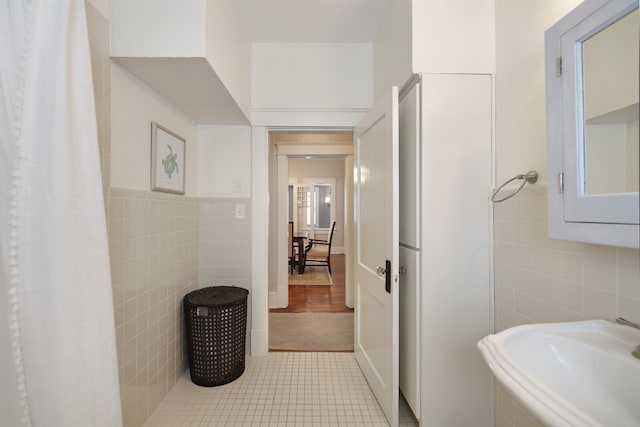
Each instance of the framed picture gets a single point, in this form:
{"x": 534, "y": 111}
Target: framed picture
{"x": 167, "y": 160}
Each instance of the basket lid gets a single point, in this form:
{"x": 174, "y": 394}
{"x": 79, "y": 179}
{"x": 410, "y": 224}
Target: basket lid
{"x": 216, "y": 296}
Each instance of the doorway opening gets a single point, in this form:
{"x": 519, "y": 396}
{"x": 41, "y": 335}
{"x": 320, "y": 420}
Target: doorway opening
{"x": 310, "y": 188}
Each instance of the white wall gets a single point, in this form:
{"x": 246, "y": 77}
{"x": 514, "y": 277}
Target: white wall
{"x": 633, "y": 156}
{"x": 101, "y": 6}
{"x": 224, "y": 161}
{"x": 453, "y": 36}
{"x": 433, "y": 37}
{"x": 228, "y": 50}
{"x": 272, "y": 252}
{"x": 209, "y": 29}
{"x": 133, "y": 107}
{"x": 157, "y": 28}
{"x": 520, "y": 84}
{"x": 316, "y": 168}
{"x": 312, "y": 76}
{"x": 392, "y": 48}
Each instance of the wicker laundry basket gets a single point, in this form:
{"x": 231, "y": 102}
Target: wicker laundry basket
{"x": 216, "y": 321}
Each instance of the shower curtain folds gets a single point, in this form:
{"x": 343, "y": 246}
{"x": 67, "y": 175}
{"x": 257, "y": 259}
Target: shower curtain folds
{"x": 58, "y": 363}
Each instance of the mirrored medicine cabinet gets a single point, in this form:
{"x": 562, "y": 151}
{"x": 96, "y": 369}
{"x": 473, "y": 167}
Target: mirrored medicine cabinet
{"x": 592, "y": 76}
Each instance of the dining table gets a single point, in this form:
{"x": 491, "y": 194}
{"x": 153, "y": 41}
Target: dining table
{"x": 299, "y": 240}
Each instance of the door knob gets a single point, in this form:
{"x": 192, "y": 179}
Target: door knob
{"x": 381, "y": 271}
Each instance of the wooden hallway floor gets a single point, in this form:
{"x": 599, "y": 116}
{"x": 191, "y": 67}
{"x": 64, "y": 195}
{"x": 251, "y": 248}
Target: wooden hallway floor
{"x": 319, "y": 298}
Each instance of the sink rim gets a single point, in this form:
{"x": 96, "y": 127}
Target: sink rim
{"x": 549, "y": 406}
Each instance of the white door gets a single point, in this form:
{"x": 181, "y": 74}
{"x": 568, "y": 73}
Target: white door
{"x": 376, "y": 247}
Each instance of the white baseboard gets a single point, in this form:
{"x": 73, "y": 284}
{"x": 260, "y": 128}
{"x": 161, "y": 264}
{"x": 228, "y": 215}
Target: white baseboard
{"x": 278, "y": 300}
{"x": 259, "y": 342}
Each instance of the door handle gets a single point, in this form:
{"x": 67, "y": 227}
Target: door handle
{"x": 386, "y": 271}
{"x": 387, "y": 279}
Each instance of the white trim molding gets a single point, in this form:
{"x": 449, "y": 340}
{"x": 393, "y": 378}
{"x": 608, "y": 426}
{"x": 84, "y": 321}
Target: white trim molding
{"x": 309, "y": 117}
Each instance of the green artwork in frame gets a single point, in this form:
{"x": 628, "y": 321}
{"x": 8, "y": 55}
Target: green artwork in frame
{"x": 167, "y": 160}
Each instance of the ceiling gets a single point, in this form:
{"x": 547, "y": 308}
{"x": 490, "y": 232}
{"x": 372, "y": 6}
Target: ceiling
{"x": 313, "y": 21}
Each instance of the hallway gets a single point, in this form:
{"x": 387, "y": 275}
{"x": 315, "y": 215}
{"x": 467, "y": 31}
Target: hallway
{"x": 280, "y": 389}
{"x": 316, "y": 318}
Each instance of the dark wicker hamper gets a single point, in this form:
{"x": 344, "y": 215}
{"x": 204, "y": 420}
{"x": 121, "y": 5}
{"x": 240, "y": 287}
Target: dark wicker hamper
{"x": 216, "y": 321}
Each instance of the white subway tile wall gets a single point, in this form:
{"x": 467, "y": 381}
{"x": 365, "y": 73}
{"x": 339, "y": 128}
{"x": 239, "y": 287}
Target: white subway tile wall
{"x": 154, "y": 262}
{"x": 542, "y": 280}
{"x": 511, "y": 413}
{"x": 224, "y": 243}
{"x": 224, "y": 247}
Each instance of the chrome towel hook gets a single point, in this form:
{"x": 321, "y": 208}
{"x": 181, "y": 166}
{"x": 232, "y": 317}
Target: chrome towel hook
{"x": 531, "y": 177}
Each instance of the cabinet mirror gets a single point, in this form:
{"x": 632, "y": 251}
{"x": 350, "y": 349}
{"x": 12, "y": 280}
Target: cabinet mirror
{"x": 610, "y": 108}
{"x": 592, "y": 76}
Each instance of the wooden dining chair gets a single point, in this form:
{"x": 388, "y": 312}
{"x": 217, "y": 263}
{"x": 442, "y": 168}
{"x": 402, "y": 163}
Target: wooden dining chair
{"x": 318, "y": 252}
{"x": 292, "y": 252}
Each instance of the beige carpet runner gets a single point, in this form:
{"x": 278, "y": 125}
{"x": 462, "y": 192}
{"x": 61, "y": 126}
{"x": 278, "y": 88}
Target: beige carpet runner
{"x": 311, "y": 331}
{"x": 313, "y": 275}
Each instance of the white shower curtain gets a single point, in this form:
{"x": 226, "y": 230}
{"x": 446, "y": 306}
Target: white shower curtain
{"x": 58, "y": 364}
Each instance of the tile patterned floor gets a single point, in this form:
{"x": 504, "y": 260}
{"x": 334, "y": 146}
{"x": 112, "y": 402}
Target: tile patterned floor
{"x": 280, "y": 389}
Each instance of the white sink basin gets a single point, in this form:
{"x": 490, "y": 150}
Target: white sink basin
{"x": 570, "y": 374}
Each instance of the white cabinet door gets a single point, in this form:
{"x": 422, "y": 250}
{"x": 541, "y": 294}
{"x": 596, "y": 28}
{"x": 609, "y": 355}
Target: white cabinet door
{"x": 410, "y": 372}
{"x": 409, "y": 129}
{"x": 456, "y": 297}
{"x": 409, "y": 171}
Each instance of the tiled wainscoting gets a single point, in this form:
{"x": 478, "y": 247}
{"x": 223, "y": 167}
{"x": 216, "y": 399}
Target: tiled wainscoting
{"x": 224, "y": 243}
{"x": 224, "y": 247}
{"x": 153, "y": 241}
{"x": 163, "y": 246}
{"x": 542, "y": 280}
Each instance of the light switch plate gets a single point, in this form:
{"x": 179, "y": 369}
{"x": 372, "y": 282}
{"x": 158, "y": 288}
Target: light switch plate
{"x": 239, "y": 211}
{"x": 238, "y": 187}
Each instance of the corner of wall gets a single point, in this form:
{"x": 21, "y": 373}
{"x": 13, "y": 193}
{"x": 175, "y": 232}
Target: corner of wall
{"x": 392, "y": 49}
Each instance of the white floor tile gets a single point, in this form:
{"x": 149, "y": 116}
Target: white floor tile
{"x": 280, "y": 389}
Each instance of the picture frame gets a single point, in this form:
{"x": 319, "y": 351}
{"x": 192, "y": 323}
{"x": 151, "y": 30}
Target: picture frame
{"x": 168, "y": 161}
